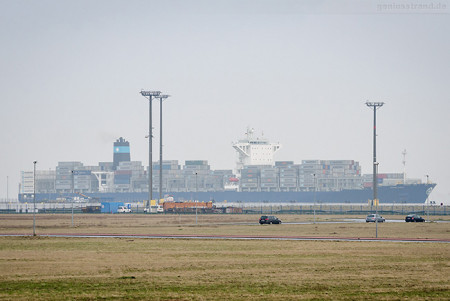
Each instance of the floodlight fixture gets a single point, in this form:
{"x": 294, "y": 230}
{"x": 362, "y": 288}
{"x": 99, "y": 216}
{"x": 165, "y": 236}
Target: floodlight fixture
{"x": 374, "y": 104}
{"x": 150, "y": 93}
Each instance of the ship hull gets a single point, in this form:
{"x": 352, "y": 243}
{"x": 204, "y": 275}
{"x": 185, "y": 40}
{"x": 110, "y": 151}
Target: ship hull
{"x": 403, "y": 194}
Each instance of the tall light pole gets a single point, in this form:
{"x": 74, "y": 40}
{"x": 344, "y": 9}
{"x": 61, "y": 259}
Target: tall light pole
{"x": 314, "y": 198}
{"x": 375, "y": 106}
{"x": 196, "y": 192}
{"x": 376, "y": 206}
{"x": 34, "y": 199}
{"x": 149, "y": 95}
{"x": 161, "y": 98}
{"x": 73, "y": 192}
{"x": 428, "y": 200}
{"x": 404, "y": 166}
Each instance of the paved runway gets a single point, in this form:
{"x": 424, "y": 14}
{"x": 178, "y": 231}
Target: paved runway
{"x": 239, "y": 237}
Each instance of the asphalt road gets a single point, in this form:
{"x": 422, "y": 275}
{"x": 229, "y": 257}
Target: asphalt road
{"x": 238, "y": 237}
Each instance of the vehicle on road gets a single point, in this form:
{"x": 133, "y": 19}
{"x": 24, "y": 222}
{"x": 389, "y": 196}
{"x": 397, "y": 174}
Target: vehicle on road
{"x": 154, "y": 209}
{"x": 375, "y": 218}
{"x": 269, "y": 219}
{"x": 123, "y": 209}
{"x": 414, "y": 218}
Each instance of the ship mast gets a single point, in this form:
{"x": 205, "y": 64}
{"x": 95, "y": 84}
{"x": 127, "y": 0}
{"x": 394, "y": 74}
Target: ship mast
{"x": 249, "y": 133}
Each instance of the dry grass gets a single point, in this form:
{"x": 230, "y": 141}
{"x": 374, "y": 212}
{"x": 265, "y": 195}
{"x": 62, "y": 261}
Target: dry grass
{"x": 40, "y": 268}
{"x": 166, "y": 269}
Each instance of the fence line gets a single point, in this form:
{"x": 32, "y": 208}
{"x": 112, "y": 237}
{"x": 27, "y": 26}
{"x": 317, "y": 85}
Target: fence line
{"x": 348, "y": 209}
{"x": 247, "y": 208}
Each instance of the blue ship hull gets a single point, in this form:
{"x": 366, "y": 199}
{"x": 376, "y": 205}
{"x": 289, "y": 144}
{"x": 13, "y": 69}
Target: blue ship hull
{"x": 403, "y": 194}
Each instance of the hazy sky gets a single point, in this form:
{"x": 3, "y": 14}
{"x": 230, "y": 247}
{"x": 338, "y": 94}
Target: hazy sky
{"x": 299, "y": 71}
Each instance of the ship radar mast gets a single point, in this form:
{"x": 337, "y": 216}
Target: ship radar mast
{"x": 249, "y": 133}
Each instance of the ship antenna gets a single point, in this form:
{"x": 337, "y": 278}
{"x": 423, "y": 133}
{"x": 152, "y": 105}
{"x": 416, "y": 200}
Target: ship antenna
{"x": 249, "y": 133}
{"x": 404, "y": 166}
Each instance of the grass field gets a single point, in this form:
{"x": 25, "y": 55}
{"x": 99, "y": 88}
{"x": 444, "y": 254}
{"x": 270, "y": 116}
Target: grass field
{"x": 42, "y": 268}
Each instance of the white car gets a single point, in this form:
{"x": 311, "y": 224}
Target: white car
{"x": 375, "y": 218}
{"x": 123, "y": 209}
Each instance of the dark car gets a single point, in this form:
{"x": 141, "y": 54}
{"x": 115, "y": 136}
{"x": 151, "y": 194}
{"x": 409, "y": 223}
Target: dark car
{"x": 414, "y": 218}
{"x": 269, "y": 219}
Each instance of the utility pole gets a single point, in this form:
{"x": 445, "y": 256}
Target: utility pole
{"x": 149, "y": 95}
{"x": 375, "y": 106}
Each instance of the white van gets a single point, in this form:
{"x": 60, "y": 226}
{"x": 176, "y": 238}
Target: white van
{"x": 155, "y": 209}
{"x": 123, "y": 209}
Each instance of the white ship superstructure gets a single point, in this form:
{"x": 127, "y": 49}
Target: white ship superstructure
{"x": 255, "y": 151}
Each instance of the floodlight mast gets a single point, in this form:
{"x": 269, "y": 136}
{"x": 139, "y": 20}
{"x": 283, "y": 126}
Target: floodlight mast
{"x": 375, "y": 106}
{"x": 161, "y": 97}
{"x": 149, "y": 95}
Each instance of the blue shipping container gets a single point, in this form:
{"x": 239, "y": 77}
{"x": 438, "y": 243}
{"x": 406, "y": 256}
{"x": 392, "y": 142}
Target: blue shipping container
{"x": 110, "y": 207}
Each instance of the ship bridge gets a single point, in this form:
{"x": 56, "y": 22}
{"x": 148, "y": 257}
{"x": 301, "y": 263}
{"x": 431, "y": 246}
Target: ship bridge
{"x": 255, "y": 150}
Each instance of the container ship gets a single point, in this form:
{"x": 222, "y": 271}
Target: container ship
{"x": 257, "y": 178}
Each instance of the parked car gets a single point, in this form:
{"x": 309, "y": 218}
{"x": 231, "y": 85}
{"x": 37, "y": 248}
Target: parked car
{"x": 123, "y": 209}
{"x": 414, "y": 218}
{"x": 374, "y": 218}
{"x": 269, "y": 219}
